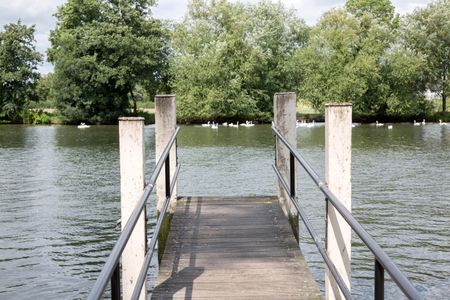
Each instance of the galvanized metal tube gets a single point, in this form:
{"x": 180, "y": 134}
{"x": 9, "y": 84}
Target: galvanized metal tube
{"x": 337, "y": 277}
{"x": 379, "y": 281}
{"x": 292, "y": 175}
{"x": 115, "y": 283}
{"x": 151, "y": 249}
{"x": 113, "y": 259}
{"x": 402, "y": 282}
{"x": 163, "y": 156}
{"x": 167, "y": 173}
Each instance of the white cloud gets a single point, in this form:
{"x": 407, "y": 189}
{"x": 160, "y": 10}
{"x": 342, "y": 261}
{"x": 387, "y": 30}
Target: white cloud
{"x": 170, "y": 9}
{"x": 405, "y": 6}
{"x": 40, "y": 13}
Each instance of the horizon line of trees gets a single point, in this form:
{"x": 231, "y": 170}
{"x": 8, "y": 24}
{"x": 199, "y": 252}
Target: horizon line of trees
{"x": 226, "y": 60}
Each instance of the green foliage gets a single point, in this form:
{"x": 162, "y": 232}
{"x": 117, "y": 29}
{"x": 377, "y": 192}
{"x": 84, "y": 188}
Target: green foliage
{"x": 39, "y": 117}
{"x": 402, "y": 73}
{"x": 18, "y": 65}
{"x": 102, "y": 50}
{"x": 229, "y": 58}
{"x": 427, "y": 33}
{"x": 381, "y": 9}
{"x": 342, "y": 61}
{"x": 353, "y": 56}
{"x": 44, "y": 92}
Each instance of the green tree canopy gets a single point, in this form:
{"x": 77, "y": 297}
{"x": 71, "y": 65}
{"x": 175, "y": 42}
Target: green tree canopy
{"x": 426, "y": 32}
{"x": 382, "y": 9}
{"x": 18, "y": 65}
{"x": 44, "y": 90}
{"x": 403, "y": 73}
{"x": 103, "y": 49}
{"x": 342, "y": 61}
{"x": 230, "y": 58}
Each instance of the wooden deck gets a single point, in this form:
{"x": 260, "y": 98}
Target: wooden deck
{"x": 229, "y": 248}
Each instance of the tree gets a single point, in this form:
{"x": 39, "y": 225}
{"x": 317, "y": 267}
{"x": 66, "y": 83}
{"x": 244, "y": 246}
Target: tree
{"x": 403, "y": 75}
{"x": 44, "y": 90}
{"x": 342, "y": 61}
{"x": 230, "y": 58}
{"x": 18, "y": 65}
{"x": 102, "y": 50}
{"x": 427, "y": 33}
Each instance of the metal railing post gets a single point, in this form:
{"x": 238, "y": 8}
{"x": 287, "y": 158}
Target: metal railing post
{"x": 115, "y": 283}
{"x": 292, "y": 174}
{"x": 379, "y": 281}
{"x": 131, "y": 142}
{"x": 167, "y": 173}
{"x": 338, "y": 145}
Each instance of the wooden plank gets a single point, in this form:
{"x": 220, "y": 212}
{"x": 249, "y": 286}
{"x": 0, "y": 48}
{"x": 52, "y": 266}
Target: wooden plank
{"x": 231, "y": 248}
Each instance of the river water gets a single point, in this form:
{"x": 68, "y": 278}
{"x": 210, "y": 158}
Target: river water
{"x": 59, "y": 199}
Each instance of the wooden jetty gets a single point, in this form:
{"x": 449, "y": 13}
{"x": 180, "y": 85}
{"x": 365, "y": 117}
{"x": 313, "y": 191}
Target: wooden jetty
{"x": 232, "y": 248}
{"x": 241, "y": 247}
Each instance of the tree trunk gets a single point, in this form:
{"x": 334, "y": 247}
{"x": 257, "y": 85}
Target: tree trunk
{"x": 134, "y": 102}
{"x": 444, "y": 102}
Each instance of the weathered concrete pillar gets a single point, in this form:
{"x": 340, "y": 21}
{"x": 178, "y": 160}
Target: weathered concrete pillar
{"x": 165, "y": 125}
{"x": 285, "y": 110}
{"x": 131, "y": 140}
{"x": 338, "y": 154}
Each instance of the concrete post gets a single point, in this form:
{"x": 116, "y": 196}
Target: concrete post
{"x": 285, "y": 110}
{"x": 131, "y": 140}
{"x": 338, "y": 151}
{"x": 165, "y": 125}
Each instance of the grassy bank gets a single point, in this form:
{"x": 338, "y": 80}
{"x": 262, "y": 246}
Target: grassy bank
{"x": 47, "y": 116}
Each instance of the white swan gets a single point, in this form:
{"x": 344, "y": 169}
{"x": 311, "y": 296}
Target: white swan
{"x": 423, "y": 122}
{"x": 378, "y": 124}
{"x": 206, "y": 125}
{"x": 442, "y": 123}
{"x": 233, "y": 125}
{"x": 248, "y": 124}
{"x": 83, "y": 125}
{"x": 310, "y": 125}
{"x": 416, "y": 123}
{"x": 225, "y": 124}
{"x": 214, "y": 125}
{"x": 301, "y": 124}
{"x": 390, "y": 126}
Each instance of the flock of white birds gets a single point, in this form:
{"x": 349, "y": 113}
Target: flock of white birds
{"x": 303, "y": 123}
{"x": 214, "y": 125}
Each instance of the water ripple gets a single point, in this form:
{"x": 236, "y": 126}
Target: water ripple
{"x": 59, "y": 194}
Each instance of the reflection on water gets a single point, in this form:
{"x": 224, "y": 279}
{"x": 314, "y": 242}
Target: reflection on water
{"x": 59, "y": 198}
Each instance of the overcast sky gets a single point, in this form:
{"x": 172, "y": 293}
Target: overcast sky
{"x": 40, "y": 13}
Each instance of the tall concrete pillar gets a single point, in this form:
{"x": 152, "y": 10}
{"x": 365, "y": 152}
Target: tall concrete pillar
{"x": 131, "y": 140}
{"x": 338, "y": 155}
{"x": 285, "y": 111}
{"x": 165, "y": 125}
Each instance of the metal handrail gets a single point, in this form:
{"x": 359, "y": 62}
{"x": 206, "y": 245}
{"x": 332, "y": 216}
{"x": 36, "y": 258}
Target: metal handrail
{"x": 338, "y": 278}
{"x": 113, "y": 259}
{"x": 382, "y": 260}
{"x": 151, "y": 249}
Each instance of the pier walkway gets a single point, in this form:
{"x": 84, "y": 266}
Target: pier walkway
{"x": 237, "y": 248}
{"x": 232, "y": 248}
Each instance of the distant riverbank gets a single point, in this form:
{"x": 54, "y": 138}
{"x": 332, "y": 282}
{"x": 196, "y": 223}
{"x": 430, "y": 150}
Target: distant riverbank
{"x": 51, "y": 116}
